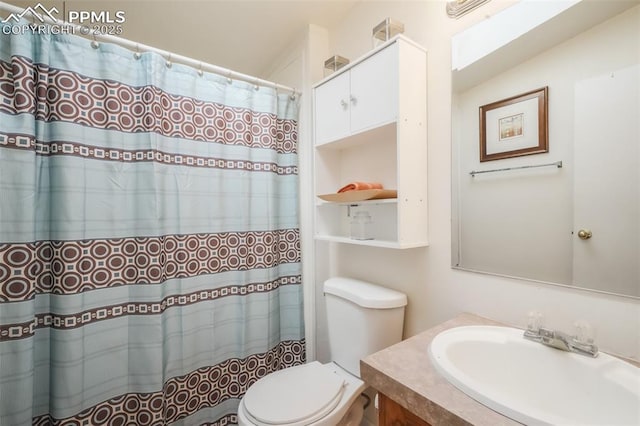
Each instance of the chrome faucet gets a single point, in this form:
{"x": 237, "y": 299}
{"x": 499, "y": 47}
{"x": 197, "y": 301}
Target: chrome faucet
{"x": 562, "y": 341}
{"x": 581, "y": 344}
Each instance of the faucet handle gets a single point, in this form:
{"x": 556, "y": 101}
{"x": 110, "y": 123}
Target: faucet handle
{"x": 583, "y": 332}
{"x": 534, "y": 321}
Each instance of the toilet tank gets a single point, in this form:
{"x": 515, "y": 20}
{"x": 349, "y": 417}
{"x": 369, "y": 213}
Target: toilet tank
{"x": 362, "y": 318}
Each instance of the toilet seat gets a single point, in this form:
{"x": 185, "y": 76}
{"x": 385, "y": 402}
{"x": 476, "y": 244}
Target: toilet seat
{"x": 294, "y": 396}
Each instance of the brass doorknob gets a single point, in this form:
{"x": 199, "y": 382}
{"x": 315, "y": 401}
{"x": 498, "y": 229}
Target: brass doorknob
{"x": 584, "y": 234}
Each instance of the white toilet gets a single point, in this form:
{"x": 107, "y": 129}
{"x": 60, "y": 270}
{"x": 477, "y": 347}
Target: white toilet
{"x": 362, "y": 318}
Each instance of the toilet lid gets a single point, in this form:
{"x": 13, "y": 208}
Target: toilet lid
{"x": 294, "y": 395}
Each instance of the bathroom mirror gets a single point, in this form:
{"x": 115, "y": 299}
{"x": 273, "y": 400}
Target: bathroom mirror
{"x": 569, "y": 216}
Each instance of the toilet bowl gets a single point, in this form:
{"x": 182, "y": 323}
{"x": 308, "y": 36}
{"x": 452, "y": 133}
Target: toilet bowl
{"x": 362, "y": 318}
{"x": 311, "y": 394}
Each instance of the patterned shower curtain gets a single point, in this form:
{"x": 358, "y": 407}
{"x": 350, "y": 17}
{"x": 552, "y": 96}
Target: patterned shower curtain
{"x": 149, "y": 242}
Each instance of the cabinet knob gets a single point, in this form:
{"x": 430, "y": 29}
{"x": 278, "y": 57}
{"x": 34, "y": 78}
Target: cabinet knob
{"x": 344, "y": 103}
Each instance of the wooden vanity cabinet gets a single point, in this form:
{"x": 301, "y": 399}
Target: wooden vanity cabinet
{"x": 390, "y": 413}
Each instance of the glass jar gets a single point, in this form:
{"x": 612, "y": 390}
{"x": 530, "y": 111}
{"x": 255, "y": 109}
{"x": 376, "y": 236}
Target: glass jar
{"x": 361, "y": 226}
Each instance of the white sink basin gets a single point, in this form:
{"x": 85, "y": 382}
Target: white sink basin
{"x": 535, "y": 384}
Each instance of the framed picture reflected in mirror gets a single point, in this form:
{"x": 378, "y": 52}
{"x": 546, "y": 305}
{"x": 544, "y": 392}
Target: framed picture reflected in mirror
{"x": 515, "y": 126}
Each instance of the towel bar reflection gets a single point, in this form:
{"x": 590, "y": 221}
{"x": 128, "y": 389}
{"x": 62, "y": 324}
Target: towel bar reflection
{"x": 558, "y": 164}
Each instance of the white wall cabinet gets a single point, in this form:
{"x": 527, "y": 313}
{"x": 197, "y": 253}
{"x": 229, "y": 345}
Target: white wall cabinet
{"x": 361, "y": 97}
{"x": 370, "y": 125}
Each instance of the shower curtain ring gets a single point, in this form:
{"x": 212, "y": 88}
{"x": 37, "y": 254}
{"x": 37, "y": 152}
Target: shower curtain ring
{"x": 137, "y": 55}
{"x": 229, "y": 79}
{"x": 255, "y": 85}
{"x": 168, "y": 63}
{"x": 94, "y": 43}
{"x": 200, "y": 72}
{"x": 293, "y": 95}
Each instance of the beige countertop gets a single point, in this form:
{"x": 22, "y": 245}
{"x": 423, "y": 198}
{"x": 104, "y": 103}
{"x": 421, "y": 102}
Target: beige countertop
{"x": 404, "y": 373}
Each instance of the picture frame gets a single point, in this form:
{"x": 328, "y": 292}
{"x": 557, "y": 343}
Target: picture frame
{"x": 515, "y": 126}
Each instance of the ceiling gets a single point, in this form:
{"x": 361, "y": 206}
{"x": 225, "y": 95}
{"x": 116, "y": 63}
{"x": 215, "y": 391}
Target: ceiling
{"x": 242, "y": 35}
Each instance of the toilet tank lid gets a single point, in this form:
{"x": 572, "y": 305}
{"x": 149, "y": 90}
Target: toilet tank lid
{"x": 365, "y": 294}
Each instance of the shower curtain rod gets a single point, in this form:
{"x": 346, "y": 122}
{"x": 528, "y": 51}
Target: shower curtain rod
{"x": 169, "y": 56}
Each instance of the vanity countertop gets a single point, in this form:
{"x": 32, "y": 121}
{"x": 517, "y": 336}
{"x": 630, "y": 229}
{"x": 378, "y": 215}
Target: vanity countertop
{"x": 404, "y": 373}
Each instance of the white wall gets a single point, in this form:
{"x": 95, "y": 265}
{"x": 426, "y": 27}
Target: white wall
{"x": 298, "y": 66}
{"x": 436, "y": 292}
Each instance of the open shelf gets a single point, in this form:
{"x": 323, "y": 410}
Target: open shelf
{"x": 383, "y": 132}
{"x": 359, "y": 203}
{"x": 372, "y": 243}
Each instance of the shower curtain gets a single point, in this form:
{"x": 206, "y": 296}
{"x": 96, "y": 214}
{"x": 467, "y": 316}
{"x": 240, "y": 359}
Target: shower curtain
{"x": 149, "y": 242}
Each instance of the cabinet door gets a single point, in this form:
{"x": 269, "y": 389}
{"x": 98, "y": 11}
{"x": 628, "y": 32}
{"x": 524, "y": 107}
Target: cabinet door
{"x": 392, "y": 414}
{"x": 374, "y": 90}
{"x": 332, "y": 109}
